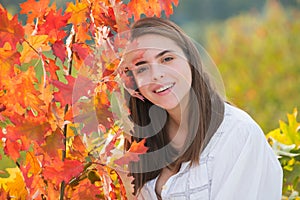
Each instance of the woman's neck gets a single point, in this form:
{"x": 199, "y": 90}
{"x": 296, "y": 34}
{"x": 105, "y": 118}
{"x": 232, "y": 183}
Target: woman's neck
{"x": 177, "y": 123}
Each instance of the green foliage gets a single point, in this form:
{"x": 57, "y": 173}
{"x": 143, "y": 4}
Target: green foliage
{"x": 285, "y": 141}
{"x": 258, "y": 57}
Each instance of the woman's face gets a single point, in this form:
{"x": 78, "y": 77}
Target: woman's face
{"x": 161, "y": 70}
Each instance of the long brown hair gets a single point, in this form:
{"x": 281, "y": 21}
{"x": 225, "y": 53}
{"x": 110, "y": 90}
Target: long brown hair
{"x": 209, "y": 110}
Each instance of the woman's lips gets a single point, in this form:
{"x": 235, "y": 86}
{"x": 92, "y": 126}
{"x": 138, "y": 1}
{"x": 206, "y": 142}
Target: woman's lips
{"x": 163, "y": 89}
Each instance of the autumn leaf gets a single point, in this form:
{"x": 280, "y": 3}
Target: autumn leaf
{"x": 81, "y": 50}
{"x": 51, "y": 68}
{"x": 54, "y": 24}
{"x": 167, "y": 7}
{"x": 54, "y": 143}
{"x": 62, "y": 170}
{"x": 111, "y": 145}
{"x": 155, "y": 8}
{"x": 103, "y": 14}
{"x": 69, "y": 115}
{"x": 12, "y": 149}
{"x": 34, "y": 9}
{"x": 14, "y": 185}
{"x": 24, "y": 92}
{"x": 28, "y": 130}
{"x": 5, "y": 163}
{"x": 10, "y": 30}
{"x": 65, "y": 93}
{"x": 30, "y": 168}
{"x": 84, "y": 190}
{"x": 94, "y": 111}
{"x": 59, "y": 50}
{"x": 33, "y": 45}
{"x": 121, "y": 17}
{"x": 76, "y": 149}
{"x": 8, "y": 59}
{"x": 287, "y": 133}
{"x": 136, "y": 149}
{"x": 136, "y": 8}
{"x": 79, "y": 12}
{"x": 127, "y": 181}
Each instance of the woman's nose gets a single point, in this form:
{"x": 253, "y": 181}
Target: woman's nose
{"x": 157, "y": 72}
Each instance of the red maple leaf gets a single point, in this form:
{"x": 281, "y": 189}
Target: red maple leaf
{"x": 64, "y": 95}
{"x": 59, "y": 50}
{"x": 81, "y": 51}
{"x": 12, "y": 149}
{"x": 60, "y": 171}
{"x": 72, "y": 91}
{"x": 10, "y": 30}
{"x": 54, "y": 24}
{"x": 51, "y": 68}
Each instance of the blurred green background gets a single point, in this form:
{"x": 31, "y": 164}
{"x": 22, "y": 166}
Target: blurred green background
{"x": 255, "y": 44}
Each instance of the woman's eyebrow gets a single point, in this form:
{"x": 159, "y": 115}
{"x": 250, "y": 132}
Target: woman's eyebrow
{"x": 140, "y": 63}
{"x": 162, "y": 53}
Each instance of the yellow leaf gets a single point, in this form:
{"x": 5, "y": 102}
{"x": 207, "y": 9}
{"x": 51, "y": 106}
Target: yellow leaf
{"x": 14, "y": 185}
{"x": 34, "y": 43}
{"x": 79, "y": 12}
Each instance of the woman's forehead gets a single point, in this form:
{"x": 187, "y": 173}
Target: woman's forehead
{"x": 153, "y": 42}
{"x": 151, "y": 45}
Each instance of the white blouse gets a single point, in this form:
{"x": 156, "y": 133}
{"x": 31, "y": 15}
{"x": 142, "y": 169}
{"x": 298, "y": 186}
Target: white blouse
{"x": 237, "y": 163}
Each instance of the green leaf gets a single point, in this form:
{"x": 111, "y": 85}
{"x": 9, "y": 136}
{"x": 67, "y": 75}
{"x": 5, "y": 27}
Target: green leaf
{"x": 5, "y": 162}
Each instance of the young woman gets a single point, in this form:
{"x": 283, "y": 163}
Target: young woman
{"x": 199, "y": 146}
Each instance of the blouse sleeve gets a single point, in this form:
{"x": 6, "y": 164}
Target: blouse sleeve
{"x": 245, "y": 167}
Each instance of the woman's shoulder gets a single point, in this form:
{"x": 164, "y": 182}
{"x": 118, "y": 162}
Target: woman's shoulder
{"x": 235, "y": 116}
{"x": 236, "y": 129}
{"x": 238, "y": 123}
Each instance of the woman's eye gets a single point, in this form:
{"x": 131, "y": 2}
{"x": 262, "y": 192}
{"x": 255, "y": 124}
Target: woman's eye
{"x": 167, "y": 59}
{"x": 141, "y": 69}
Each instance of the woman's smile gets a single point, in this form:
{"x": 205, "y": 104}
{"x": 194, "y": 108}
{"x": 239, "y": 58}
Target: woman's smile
{"x": 164, "y": 89}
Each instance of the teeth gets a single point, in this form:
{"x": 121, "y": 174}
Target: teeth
{"x": 164, "y": 88}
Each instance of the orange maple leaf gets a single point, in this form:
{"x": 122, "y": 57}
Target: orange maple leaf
{"x": 84, "y": 190}
{"x": 11, "y": 30}
{"x": 136, "y": 149}
{"x": 29, "y": 130}
{"x": 76, "y": 150}
{"x": 136, "y": 8}
{"x": 167, "y": 7}
{"x": 34, "y": 9}
{"x": 8, "y": 59}
{"x": 24, "y": 92}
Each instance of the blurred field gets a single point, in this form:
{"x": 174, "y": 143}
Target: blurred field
{"x": 258, "y": 57}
